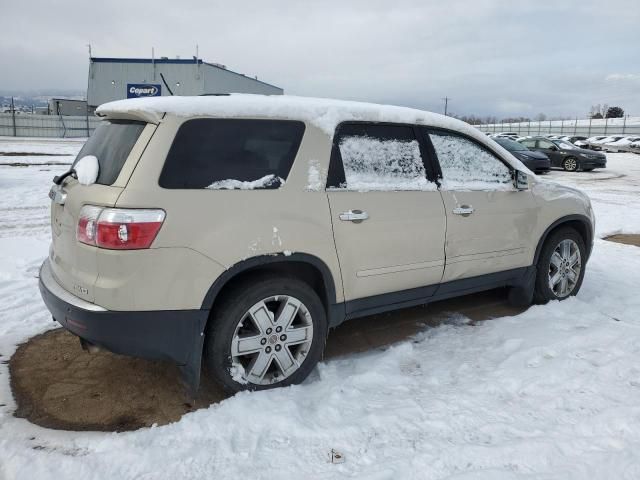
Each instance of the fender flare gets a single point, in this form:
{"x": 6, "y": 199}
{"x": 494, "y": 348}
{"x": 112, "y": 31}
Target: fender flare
{"x": 264, "y": 260}
{"x": 568, "y": 218}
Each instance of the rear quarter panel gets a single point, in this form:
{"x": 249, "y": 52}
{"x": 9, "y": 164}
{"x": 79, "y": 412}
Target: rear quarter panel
{"x": 229, "y": 226}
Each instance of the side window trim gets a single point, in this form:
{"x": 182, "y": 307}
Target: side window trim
{"x": 336, "y": 175}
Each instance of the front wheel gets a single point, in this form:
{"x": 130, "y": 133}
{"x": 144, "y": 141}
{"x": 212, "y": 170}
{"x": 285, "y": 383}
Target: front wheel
{"x": 560, "y": 268}
{"x": 570, "y": 164}
{"x": 269, "y": 332}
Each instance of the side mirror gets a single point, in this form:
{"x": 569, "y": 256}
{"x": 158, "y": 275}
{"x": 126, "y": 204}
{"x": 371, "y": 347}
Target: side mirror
{"x": 520, "y": 180}
{"x": 553, "y": 148}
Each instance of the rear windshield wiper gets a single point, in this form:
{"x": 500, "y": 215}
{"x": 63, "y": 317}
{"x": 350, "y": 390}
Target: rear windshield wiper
{"x": 58, "y": 179}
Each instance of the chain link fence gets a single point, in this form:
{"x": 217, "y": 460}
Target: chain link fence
{"x": 29, "y": 125}
{"x": 578, "y": 127}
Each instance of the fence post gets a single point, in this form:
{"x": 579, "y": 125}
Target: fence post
{"x": 550, "y": 128}
{"x": 539, "y": 127}
{"x": 562, "y": 126}
{"x": 87, "y": 119}
{"x": 624, "y": 124}
{"x": 13, "y": 117}
{"x": 589, "y": 133}
{"x": 606, "y": 121}
{"x": 529, "y": 128}
{"x": 575, "y": 127}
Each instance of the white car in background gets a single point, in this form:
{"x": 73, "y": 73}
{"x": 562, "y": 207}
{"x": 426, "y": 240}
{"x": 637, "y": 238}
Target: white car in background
{"x": 621, "y": 145}
{"x": 600, "y": 144}
{"x": 634, "y": 148}
{"x": 587, "y": 143}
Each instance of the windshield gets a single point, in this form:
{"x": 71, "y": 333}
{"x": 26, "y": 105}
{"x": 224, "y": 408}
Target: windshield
{"x": 111, "y": 144}
{"x": 511, "y": 145}
{"x": 564, "y": 145}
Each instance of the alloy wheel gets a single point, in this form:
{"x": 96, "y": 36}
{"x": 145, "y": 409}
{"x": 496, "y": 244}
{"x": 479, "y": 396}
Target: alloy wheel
{"x": 271, "y": 340}
{"x": 570, "y": 164}
{"x": 564, "y": 268}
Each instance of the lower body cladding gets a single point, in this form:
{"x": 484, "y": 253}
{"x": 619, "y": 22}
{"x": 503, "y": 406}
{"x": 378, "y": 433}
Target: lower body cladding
{"x": 174, "y": 335}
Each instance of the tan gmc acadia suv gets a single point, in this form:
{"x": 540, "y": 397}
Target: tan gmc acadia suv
{"x": 233, "y": 231}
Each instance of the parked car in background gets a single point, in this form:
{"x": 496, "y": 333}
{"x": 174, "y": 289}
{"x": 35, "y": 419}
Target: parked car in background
{"x": 234, "y": 231}
{"x": 587, "y": 143}
{"x": 535, "y": 161}
{"x": 508, "y": 134}
{"x": 574, "y": 139}
{"x": 621, "y": 145}
{"x": 566, "y": 155}
{"x": 599, "y": 144}
{"x": 635, "y": 148}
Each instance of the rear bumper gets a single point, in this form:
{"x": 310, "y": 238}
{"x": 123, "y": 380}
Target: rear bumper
{"x": 174, "y": 335}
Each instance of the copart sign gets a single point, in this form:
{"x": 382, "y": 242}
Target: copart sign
{"x": 136, "y": 90}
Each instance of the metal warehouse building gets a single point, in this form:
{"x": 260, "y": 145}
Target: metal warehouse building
{"x": 120, "y": 78}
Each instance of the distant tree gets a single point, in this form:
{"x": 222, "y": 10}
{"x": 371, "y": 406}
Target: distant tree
{"x": 596, "y": 116}
{"x": 541, "y": 117}
{"x": 615, "y": 112}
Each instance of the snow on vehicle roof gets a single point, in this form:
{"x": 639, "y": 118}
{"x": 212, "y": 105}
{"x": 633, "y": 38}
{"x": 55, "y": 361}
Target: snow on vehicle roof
{"x": 322, "y": 112}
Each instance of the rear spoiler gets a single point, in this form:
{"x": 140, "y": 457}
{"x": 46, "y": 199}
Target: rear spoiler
{"x": 120, "y": 110}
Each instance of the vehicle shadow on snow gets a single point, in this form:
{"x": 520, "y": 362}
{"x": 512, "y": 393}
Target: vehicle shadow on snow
{"x": 58, "y": 385}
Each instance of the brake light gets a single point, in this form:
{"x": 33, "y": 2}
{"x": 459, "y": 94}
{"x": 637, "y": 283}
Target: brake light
{"x": 119, "y": 228}
{"x": 86, "y": 230}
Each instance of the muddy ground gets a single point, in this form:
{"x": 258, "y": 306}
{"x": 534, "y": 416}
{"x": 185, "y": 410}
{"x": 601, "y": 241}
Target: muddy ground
{"x": 56, "y": 384}
{"x": 627, "y": 239}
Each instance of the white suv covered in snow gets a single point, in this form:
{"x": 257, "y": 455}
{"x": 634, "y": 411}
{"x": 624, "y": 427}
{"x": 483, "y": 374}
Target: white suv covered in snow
{"x": 246, "y": 226}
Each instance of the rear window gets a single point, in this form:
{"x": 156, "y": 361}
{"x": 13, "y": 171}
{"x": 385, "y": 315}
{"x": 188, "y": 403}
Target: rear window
{"x": 111, "y": 144}
{"x": 231, "y": 154}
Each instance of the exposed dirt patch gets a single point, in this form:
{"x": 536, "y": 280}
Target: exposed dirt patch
{"x": 58, "y": 385}
{"x": 626, "y": 238}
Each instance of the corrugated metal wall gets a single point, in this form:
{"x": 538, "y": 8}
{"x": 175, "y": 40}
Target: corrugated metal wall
{"x": 109, "y": 79}
{"x": 219, "y": 80}
{"x": 46, "y": 125}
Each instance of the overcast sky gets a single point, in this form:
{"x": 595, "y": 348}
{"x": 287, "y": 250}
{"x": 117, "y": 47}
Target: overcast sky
{"x": 500, "y": 57}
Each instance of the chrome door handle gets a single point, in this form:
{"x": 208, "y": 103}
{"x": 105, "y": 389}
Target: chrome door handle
{"x": 356, "y": 216}
{"x": 464, "y": 210}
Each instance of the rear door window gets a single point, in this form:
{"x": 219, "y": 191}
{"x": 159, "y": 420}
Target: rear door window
{"x": 369, "y": 157}
{"x": 232, "y": 154}
{"x": 111, "y": 144}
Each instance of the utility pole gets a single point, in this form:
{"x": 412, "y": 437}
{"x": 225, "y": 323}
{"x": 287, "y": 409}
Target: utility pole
{"x": 446, "y": 104}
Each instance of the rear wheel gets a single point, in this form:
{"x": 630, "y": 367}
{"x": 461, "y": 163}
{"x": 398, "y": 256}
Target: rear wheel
{"x": 560, "y": 268}
{"x": 570, "y": 164}
{"x": 269, "y": 332}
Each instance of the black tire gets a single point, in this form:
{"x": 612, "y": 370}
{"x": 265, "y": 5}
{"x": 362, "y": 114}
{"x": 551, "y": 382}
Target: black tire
{"x": 543, "y": 293}
{"x": 570, "y": 164}
{"x": 227, "y": 314}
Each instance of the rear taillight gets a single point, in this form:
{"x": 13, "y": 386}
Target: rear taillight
{"x": 118, "y": 228}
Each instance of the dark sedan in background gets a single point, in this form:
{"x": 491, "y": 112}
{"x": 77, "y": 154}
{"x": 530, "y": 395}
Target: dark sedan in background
{"x": 535, "y": 161}
{"x": 566, "y": 155}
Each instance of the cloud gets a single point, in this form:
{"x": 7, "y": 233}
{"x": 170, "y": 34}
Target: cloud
{"x": 490, "y": 56}
{"x": 623, "y": 77}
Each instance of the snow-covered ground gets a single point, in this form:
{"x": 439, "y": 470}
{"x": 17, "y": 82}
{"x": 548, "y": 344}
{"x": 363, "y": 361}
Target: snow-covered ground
{"x": 551, "y": 393}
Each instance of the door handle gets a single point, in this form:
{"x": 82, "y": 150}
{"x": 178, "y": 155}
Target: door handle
{"x": 464, "y": 210}
{"x": 355, "y": 216}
